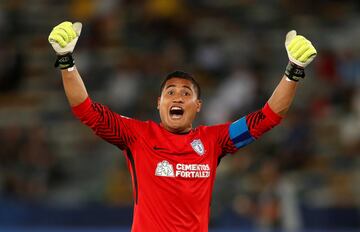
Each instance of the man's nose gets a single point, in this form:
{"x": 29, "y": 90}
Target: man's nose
{"x": 178, "y": 98}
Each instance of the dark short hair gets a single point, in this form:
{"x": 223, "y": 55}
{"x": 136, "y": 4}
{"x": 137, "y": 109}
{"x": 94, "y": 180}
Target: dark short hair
{"x": 182, "y": 75}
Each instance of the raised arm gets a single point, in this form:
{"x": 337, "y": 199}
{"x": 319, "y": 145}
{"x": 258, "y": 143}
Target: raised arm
{"x": 110, "y": 126}
{"x": 300, "y": 52}
{"x": 74, "y": 87}
{"x": 250, "y": 127}
{"x": 63, "y": 39}
{"x": 282, "y": 96}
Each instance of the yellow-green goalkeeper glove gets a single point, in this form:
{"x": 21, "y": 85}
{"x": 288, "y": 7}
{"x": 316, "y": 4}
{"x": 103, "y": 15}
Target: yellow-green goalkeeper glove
{"x": 300, "y": 52}
{"x": 63, "y": 38}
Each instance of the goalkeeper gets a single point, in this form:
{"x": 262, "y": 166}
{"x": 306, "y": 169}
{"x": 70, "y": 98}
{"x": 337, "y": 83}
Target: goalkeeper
{"x": 173, "y": 164}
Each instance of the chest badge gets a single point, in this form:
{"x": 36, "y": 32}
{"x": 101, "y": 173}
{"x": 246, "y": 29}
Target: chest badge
{"x": 198, "y": 146}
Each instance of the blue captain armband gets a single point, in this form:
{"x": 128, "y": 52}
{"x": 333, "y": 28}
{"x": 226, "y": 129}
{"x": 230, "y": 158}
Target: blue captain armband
{"x": 239, "y": 133}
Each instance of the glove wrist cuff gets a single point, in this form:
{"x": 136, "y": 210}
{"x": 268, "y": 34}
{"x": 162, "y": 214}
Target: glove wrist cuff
{"x": 294, "y": 72}
{"x": 64, "y": 61}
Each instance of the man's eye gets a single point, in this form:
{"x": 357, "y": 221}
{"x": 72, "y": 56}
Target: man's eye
{"x": 186, "y": 94}
{"x": 170, "y": 92}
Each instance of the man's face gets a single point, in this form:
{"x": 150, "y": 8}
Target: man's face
{"x": 178, "y": 105}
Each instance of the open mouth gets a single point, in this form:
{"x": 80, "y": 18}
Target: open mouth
{"x": 176, "y": 112}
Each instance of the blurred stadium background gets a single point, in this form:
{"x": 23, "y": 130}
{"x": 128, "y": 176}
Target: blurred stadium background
{"x": 303, "y": 176}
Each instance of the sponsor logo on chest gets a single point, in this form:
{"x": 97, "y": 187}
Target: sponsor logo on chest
{"x": 165, "y": 169}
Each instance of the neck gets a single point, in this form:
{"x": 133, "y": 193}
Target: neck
{"x": 177, "y": 130}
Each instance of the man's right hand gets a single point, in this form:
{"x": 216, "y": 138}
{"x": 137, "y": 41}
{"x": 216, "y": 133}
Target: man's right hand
{"x": 64, "y": 36}
{"x": 63, "y": 39}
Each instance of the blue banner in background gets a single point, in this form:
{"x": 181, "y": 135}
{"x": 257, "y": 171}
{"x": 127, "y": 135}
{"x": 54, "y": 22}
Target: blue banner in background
{"x": 123, "y": 229}
{"x": 30, "y": 217}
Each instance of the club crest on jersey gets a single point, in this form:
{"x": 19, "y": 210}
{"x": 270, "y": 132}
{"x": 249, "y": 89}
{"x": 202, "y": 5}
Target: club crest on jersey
{"x": 164, "y": 168}
{"x": 198, "y": 146}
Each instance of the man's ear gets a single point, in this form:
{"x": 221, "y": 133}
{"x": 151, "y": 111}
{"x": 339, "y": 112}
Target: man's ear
{"x": 199, "y": 104}
{"x": 158, "y": 103}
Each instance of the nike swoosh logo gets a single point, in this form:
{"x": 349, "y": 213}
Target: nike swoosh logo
{"x": 158, "y": 148}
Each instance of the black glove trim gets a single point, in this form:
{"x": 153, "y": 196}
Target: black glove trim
{"x": 64, "y": 61}
{"x": 294, "y": 72}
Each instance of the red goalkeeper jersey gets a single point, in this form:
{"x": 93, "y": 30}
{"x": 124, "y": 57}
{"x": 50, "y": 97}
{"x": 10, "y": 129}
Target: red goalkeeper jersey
{"x": 172, "y": 174}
